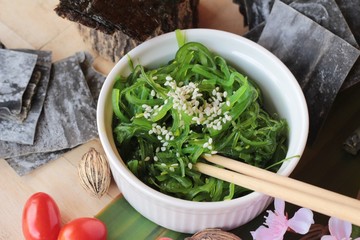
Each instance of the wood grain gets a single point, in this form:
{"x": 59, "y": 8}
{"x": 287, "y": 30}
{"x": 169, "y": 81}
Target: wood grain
{"x": 34, "y": 25}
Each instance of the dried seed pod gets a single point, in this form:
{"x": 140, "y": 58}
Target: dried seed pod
{"x": 213, "y": 234}
{"x": 94, "y": 173}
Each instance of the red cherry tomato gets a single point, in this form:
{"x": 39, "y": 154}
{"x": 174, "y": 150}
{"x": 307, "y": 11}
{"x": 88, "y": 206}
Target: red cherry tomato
{"x": 41, "y": 218}
{"x": 83, "y": 229}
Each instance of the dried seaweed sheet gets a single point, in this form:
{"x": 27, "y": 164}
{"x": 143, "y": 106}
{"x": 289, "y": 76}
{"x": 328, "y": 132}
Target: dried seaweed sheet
{"x": 24, "y": 132}
{"x": 325, "y": 12}
{"x": 69, "y": 114}
{"x": 255, "y": 11}
{"x": 343, "y": 19}
{"x": 255, "y": 33}
{"x": 136, "y": 18}
{"x": 321, "y": 69}
{"x": 93, "y": 78}
{"x": 25, "y": 164}
{"x": 353, "y": 77}
{"x": 351, "y": 10}
{"x": 16, "y": 69}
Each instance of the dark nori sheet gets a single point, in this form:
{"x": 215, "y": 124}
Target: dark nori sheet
{"x": 255, "y": 33}
{"x": 24, "y": 132}
{"x": 254, "y": 11}
{"x": 93, "y": 78}
{"x": 351, "y": 11}
{"x": 137, "y": 18}
{"x": 25, "y": 164}
{"x": 320, "y": 69}
{"x": 338, "y": 16}
{"x": 325, "y": 12}
{"x": 68, "y": 118}
{"x": 16, "y": 69}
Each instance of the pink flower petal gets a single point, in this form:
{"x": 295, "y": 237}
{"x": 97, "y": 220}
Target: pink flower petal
{"x": 301, "y": 221}
{"x": 339, "y": 228}
{"x": 264, "y": 233}
{"x": 279, "y": 207}
{"x": 328, "y": 237}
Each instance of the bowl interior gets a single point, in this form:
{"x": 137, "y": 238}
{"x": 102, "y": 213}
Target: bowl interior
{"x": 281, "y": 91}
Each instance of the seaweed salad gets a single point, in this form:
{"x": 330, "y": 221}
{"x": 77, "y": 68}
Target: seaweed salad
{"x": 166, "y": 118}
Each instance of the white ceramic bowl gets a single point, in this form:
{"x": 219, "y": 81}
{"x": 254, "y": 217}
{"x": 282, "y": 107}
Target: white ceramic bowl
{"x": 282, "y": 94}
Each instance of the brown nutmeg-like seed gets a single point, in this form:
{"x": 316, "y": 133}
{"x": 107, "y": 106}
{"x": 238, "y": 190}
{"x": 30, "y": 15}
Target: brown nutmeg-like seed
{"x": 213, "y": 234}
{"x": 94, "y": 173}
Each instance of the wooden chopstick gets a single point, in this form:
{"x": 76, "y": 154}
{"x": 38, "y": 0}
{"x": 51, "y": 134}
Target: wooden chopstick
{"x": 288, "y": 189}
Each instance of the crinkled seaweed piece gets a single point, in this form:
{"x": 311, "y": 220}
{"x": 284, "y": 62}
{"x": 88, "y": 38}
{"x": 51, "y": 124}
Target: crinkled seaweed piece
{"x": 16, "y": 69}
{"x": 321, "y": 69}
{"x": 254, "y": 11}
{"x": 94, "y": 79}
{"x": 351, "y": 11}
{"x": 353, "y": 77}
{"x": 137, "y": 18}
{"x": 26, "y": 100}
{"x": 325, "y": 12}
{"x": 69, "y": 114}
{"x": 255, "y": 33}
{"x": 24, "y": 132}
{"x": 25, "y": 164}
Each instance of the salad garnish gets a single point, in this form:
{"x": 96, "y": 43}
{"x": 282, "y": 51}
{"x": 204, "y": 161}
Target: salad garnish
{"x": 166, "y": 118}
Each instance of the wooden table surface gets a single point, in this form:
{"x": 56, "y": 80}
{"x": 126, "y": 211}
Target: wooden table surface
{"x": 34, "y": 25}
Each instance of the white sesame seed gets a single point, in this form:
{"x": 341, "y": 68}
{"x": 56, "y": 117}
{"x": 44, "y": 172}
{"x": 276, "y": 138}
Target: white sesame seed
{"x": 163, "y": 164}
{"x": 172, "y": 169}
{"x": 156, "y": 158}
{"x": 163, "y": 149}
{"x": 147, "y": 158}
{"x": 210, "y": 140}
{"x": 153, "y": 93}
{"x": 190, "y": 165}
{"x": 206, "y": 145}
{"x": 169, "y": 78}
{"x": 228, "y": 103}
